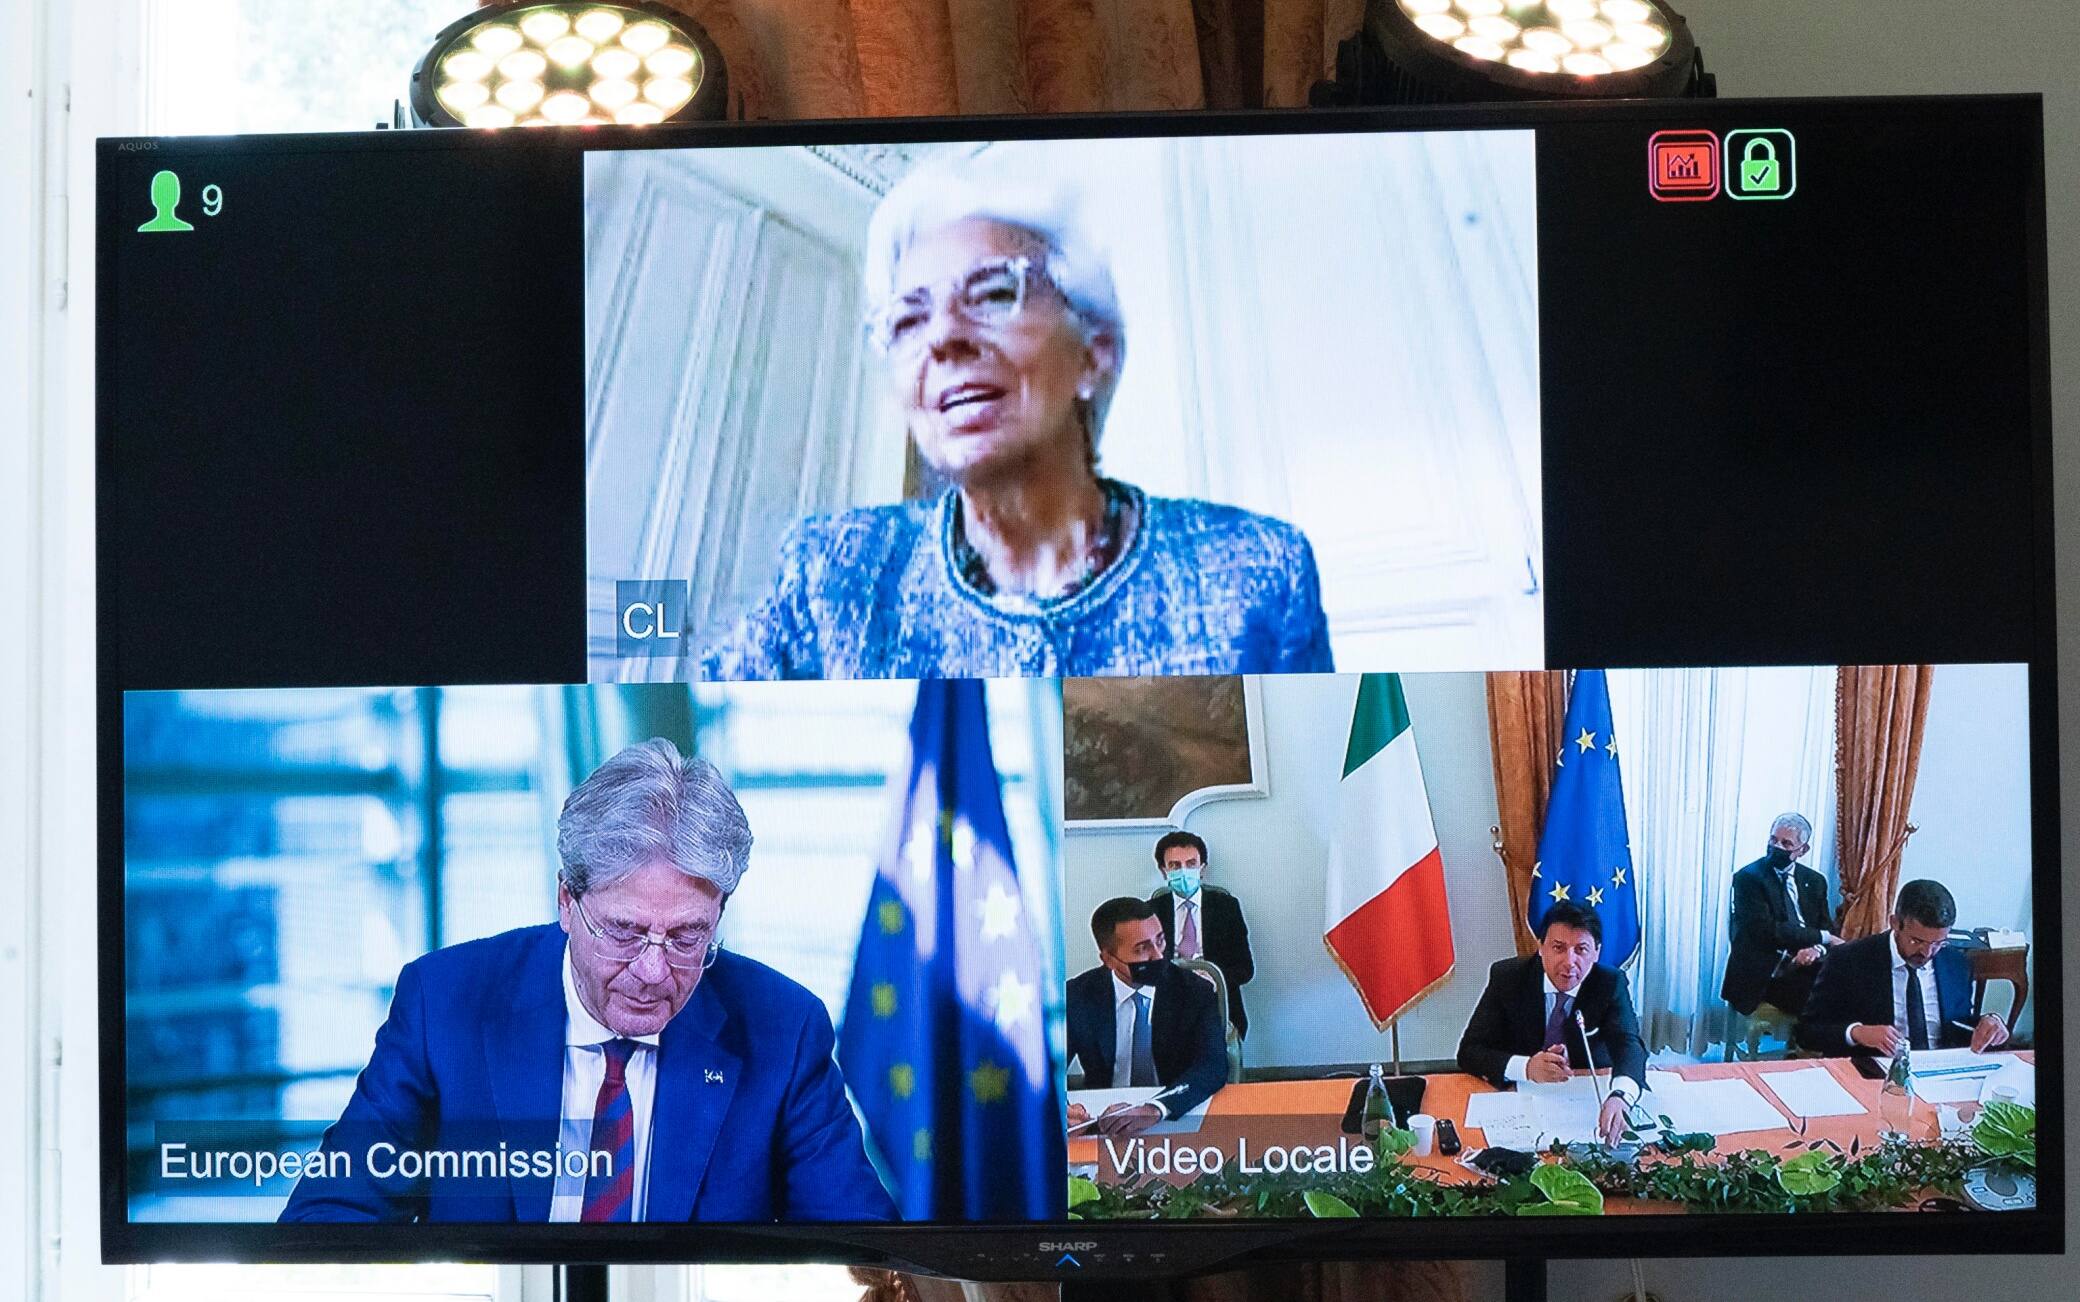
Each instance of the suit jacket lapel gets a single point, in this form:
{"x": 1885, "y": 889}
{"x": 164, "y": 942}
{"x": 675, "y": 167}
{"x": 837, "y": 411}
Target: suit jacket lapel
{"x": 523, "y": 1053}
{"x": 1530, "y": 1004}
{"x": 696, "y": 1078}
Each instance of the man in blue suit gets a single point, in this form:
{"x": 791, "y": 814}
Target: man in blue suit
{"x": 1899, "y": 988}
{"x": 614, "y": 1066}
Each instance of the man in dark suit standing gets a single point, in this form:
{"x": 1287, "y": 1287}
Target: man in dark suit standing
{"x": 1202, "y": 921}
{"x": 1780, "y": 924}
{"x": 1541, "y": 1013}
{"x": 1138, "y": 1020}
{"x": 1899, "y": 988}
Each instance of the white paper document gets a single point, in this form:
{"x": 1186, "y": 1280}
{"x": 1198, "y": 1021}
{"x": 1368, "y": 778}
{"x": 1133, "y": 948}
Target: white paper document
{"x": 1534, "y": 1116}
{"x": 1096, "y": 1101}
{"x": 1813, "y": 1092}
{"x": 1718, "y": 1107}
{"x": 2022, "y": 1076}
{"x": 1937, "y": 1063}
{"x": 1949, "y": 1089}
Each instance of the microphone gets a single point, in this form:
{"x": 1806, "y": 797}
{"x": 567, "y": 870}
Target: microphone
{"x": 1589, "y": 1058}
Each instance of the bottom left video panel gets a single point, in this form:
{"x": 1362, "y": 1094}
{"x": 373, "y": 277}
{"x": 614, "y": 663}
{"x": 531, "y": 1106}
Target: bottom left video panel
{"x": 723, "y": 953}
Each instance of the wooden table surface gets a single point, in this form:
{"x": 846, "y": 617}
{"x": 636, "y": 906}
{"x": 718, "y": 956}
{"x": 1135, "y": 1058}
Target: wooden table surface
{"x": 1311, "y": 1112}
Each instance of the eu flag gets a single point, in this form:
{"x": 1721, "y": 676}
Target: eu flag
{"x": 944, "y": 1042}
{"x": 1584, "y": 854}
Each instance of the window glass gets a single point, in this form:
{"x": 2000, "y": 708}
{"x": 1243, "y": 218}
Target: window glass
{"x": 221, "y": 66}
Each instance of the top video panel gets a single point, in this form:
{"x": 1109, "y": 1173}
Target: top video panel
{"x": 1097, "y": 407}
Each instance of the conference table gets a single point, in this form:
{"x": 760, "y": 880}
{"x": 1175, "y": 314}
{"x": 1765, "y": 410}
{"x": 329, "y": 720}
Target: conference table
{"x": 1310, "y": 1112}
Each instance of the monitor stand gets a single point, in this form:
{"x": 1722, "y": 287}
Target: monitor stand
{"x": 1523, "y": 1280}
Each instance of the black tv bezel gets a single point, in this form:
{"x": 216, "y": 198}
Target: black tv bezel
{"x": 1031, "y": 1250}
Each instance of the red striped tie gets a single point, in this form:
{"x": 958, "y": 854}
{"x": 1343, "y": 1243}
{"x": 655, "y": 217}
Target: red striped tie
{"x": 610, "y": 1192}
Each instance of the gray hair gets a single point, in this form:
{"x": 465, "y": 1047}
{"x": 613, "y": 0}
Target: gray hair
{"x": 1805, "y": 829}
{"x": 1023, "y": 192}
{"x": 646, "y": 803}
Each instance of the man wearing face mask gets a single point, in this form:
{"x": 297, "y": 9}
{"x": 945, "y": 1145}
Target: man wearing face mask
{"x": 1780, "y": 925}
{"x": 1900, "y": 988}
{"x": 1202, "y": 921}
{"x": 1137, "y": 1021}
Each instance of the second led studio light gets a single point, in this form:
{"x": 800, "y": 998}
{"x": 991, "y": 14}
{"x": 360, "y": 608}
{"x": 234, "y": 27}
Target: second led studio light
{"x": 1458, "y": 51}
{"x": 537, "y": 65}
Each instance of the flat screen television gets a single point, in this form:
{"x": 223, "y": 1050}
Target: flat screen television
{"x": 1081, "y": 697}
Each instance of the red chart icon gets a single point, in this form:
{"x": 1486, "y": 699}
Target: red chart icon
{"x": 1683, "y": 165}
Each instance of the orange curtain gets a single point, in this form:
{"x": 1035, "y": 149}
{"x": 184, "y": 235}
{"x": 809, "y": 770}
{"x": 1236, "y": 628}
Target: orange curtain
{"x": 1526, "y": 711}
{"x": 1880, "y": 712}
{"x": 890, "y": 58}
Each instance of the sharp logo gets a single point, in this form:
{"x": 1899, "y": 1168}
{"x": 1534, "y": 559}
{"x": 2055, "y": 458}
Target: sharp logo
{"x": 1073, "y": 1245}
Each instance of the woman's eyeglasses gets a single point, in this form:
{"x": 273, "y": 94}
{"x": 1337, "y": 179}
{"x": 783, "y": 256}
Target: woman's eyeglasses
{"x": 989, "y": 294}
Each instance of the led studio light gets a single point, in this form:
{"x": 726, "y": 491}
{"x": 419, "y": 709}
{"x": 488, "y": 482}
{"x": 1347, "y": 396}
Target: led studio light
{"x": 1445, "y": 51}
{"x": 536, "y": 65}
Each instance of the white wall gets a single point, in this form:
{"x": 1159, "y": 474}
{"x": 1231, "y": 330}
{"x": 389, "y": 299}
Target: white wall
{"x": 1272, "y": 854}
{"x": 1894, "y": 47}
{"x": 1971, "y": 800}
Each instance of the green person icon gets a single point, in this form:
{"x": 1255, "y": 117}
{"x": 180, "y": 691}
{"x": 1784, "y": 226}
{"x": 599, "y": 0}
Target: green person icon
{"x": 166, "y": 196}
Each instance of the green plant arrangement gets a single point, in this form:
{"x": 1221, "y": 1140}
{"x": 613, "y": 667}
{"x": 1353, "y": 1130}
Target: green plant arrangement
{"x": 1803, "y": 1176}
{"x": 2007, "y": 1132}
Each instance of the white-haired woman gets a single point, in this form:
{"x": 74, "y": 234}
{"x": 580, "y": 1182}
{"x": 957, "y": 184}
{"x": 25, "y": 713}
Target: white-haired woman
{"x": 996, "y": 319}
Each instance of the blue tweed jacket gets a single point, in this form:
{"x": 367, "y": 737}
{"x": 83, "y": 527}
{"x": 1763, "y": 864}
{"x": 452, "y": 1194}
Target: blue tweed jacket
{"x": 874, "y": 593}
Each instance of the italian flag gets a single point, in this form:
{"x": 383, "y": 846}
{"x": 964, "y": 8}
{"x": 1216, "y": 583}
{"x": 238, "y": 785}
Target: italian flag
{"x": 1389, "y": 926}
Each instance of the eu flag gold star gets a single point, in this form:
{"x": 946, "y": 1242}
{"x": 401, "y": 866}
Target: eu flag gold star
{"x": 1595, "y": 896}
{"x": 987, "y": 1081}
{"x": 1559, "y": 892}
{"x": 1587, "y": 741}
{"x": 1611, "y": 747}
{"x": 1618, "y": 875}
{"x": 890, "y": 915}
{"x": 884, "y": 996}
{"x": 902, "y": 1080}
{"x": 921, "y": 1145}
{"x": 1535, "y": 867}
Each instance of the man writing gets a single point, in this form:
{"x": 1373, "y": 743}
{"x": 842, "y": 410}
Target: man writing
{"x": 1900, "y": 988}
{"x": 1780, "y": 920}
{"x": 1138, "y": 1020}
{"x": 1201, "y": 920}
{"x": 1534, "y": 1018}
{"x": 693, "y": 1084}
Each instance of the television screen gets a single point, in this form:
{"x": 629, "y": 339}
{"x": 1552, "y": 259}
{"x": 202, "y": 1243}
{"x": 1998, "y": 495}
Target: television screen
{"x": 1056, "y": 698}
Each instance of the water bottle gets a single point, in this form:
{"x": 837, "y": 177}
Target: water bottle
{"x": 1379, "y": 1111}
{"x": 1896, "y": 1099}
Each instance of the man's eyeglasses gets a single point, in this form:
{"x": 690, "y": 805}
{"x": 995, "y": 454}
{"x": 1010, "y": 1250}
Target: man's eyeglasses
{"x": 685, "y": 949}
{"x": 989, "y": 294}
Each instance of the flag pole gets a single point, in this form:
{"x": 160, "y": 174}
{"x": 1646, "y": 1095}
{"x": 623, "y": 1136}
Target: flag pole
{"x": 1395, "y": 1030}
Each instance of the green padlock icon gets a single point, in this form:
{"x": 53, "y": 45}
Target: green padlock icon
{"x": 1759, "y": 173}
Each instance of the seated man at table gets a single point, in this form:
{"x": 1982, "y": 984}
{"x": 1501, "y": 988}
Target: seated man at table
{"x": 1899, "y": 987}
{"x": 1542, "y": 1013}
{"x": 1138, "y": 1020}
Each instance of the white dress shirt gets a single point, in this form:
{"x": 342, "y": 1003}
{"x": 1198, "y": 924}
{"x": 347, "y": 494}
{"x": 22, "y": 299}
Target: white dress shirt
{"x": 1518, "y": 1068}
{"x": 1931, "y": 1005}
{"x": 1123, "y": 1029}
{"x": 584, "y": 1068}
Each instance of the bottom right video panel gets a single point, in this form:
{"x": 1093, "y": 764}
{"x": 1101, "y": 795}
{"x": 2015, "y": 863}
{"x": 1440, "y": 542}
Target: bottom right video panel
{"x": 1721, "y": 940}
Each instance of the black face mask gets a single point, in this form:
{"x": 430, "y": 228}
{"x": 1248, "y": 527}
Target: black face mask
{"x": 1146, "y": 972}
{"x": 1778, "y": 858}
